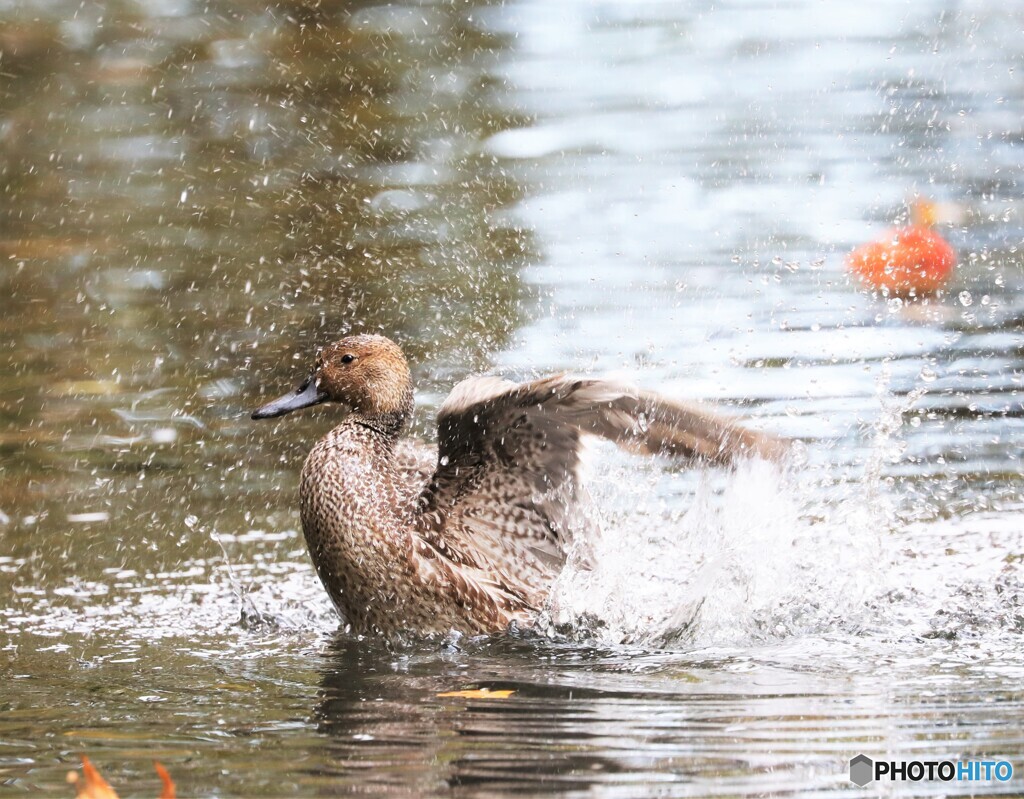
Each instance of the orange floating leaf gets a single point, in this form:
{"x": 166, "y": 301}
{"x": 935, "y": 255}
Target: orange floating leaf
{"x": 93, "y": 786}
{"x": 168, "y": 789}
{"x": 479, "y": 693}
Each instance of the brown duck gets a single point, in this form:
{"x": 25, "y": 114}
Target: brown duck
{"x": 471, "y": 536}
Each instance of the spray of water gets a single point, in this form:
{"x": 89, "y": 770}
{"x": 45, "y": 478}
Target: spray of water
{"x": 760, "y": 553}
{"x": 749, "y": 559}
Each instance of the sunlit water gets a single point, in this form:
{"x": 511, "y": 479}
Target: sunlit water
{"x": 196, "y": 195}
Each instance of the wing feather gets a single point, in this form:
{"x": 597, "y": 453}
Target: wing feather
{"x": 505, "y": 485}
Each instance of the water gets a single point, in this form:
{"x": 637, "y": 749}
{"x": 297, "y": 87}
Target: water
{"x": 195, "y": 195}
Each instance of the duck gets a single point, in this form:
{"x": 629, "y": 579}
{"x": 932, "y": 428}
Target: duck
{"x": 467, "y": 536}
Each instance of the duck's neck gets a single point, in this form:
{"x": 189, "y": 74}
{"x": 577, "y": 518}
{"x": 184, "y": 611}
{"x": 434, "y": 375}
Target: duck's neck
{"x": 389, "y": 426}
{"x": 391, "y": 420}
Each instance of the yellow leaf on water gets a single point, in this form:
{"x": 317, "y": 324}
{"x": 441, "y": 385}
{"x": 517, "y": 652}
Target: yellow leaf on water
{"x": 87, "y": 387}
{"x": 235, "y": 686}
{"x": 103, "y": 735}
{"x": 479, "y": 693}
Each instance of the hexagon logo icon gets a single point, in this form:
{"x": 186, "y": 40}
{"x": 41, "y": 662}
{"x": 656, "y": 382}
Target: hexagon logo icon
{"x": 862, "y": 770}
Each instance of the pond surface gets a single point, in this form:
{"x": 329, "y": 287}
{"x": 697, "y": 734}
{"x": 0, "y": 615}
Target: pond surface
{"x": 193, "y": 196}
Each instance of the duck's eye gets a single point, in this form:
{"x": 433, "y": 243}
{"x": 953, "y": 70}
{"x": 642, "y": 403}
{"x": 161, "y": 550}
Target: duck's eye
{"x": 348, "y": 358}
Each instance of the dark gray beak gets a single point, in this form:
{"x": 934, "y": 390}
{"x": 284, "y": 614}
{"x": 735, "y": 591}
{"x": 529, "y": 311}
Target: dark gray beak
{"x": 303, "y": 397}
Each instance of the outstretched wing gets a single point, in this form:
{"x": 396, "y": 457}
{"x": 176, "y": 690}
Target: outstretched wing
{"x": 508, "y": 458}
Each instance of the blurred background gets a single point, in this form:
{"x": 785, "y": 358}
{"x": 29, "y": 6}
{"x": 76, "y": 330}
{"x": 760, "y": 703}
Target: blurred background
{"x": 195, "y": 195}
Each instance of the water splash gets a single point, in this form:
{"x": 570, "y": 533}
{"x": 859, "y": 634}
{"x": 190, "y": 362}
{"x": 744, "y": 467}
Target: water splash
{"x": 751, "y": 558}
{"x": 762, "y": 554}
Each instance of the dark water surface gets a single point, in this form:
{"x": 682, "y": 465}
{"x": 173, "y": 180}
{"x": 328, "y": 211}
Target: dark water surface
{"x": 194, "y": 195}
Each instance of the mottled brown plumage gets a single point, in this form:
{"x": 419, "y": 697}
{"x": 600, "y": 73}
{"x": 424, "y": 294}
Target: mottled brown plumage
{"x": 470, "y": 537}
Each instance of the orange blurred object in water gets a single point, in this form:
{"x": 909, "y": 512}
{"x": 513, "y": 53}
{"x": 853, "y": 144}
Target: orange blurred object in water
{"x": 95, "y": 787}
{"x": 910, "y": 261}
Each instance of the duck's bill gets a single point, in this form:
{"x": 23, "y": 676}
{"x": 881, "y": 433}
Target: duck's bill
{"x": 303, "y": 397}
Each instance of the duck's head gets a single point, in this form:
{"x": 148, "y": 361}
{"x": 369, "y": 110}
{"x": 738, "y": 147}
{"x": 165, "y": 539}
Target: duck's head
{"x": 366, "y": 374}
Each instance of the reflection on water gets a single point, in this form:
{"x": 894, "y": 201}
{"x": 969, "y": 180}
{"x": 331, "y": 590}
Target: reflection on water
{"x": 633, "y": 722}
{"x": 193, "y": 196}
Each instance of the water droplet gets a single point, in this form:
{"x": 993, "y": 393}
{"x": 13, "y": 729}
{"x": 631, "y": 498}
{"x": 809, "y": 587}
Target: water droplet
{"x": 164, "y": 435}
{"x": 95, "y": 516}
